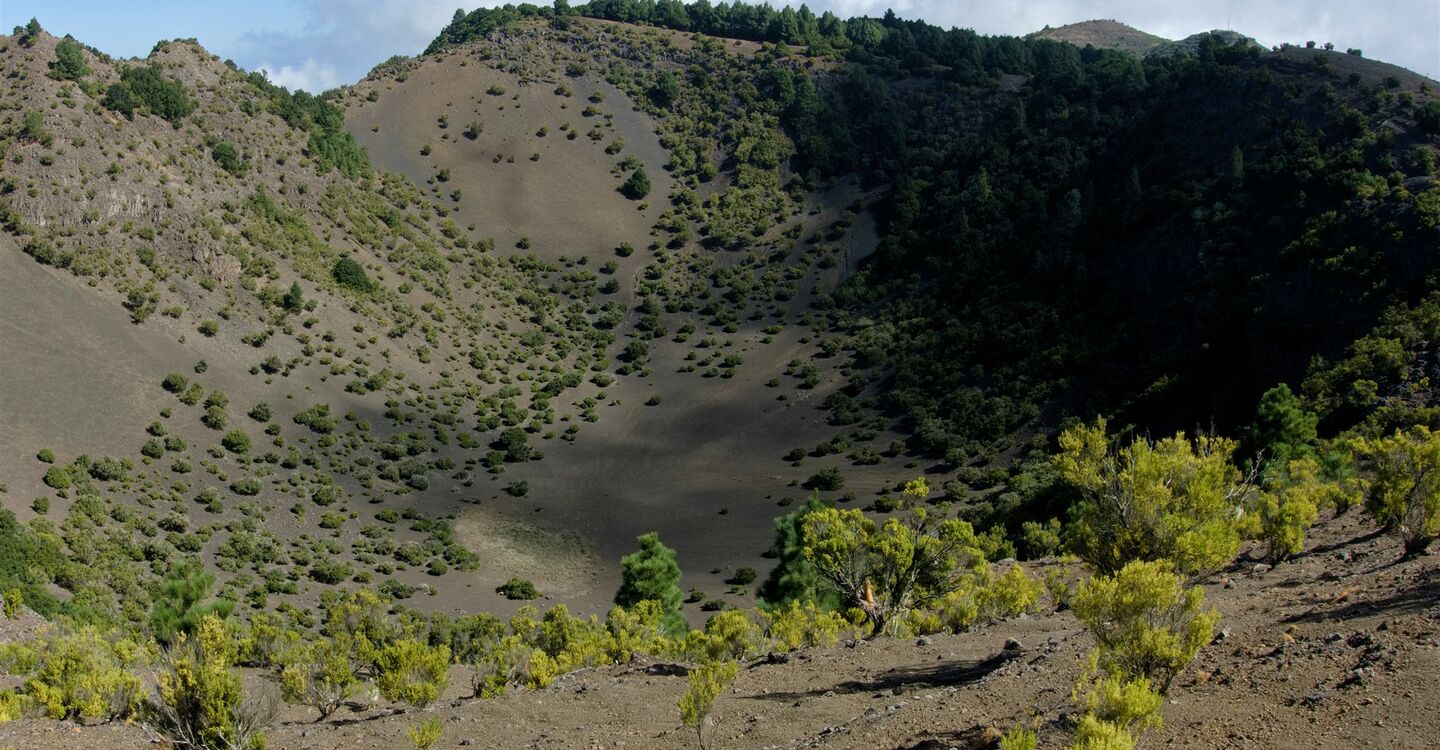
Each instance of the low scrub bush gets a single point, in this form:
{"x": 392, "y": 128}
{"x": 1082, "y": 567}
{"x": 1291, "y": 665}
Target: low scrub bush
{"x": 1174, "y": 499}
{"x": 201, "y": 702}
{"x": 410, "y": 671}
{"x": 321, "y": 674}
{"x": 1146, "y": 623}
{"x": 1404, "y": 497}
{"x": 77, "y": 672}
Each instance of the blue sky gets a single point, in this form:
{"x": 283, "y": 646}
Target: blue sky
{"x": 318, "y": 44}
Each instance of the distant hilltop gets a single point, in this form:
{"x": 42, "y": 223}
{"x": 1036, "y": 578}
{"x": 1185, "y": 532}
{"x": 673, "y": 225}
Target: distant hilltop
{"x": 1191, "y": 43}
{"x": 1104, "y": 34}
{"x": 1110, "y": 34}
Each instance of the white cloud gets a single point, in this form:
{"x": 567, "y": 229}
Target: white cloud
{"x": 342, "y": 39}
{"x": 310, "y": 75}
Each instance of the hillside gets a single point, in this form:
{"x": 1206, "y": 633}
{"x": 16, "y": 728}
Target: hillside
{"x": 382, "y": 392}
{"x": 479, "y": 336}
{"x": 518, "y": 289}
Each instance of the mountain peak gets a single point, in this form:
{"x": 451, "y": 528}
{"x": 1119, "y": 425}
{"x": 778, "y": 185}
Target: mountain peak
{"x": 1104, "y": 34}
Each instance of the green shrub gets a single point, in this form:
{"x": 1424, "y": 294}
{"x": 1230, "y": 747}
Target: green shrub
{"x": 707, "y": 682}
{"x": 228, "y": 158}
{"x": 1404, "y": 497}
{"x": 825, "y": 480}
{"x": 1128, "y": 702}
{"x": 327, "y": 494}
{"x": 732, "y": 634}
{"x": 80, "y": 673}
{"x": 351, "y": 275}
{"x": 1173, "y": 499}
{"x": 59, "y": 477}
{"x": 13, "y": 705}
{"x": 215, "y": 418}
{"x": 1040, "y": 539}
{"x": 200, "y": 702}
{"x": 797, "y": 626}
{"x": 742, "y": 577}
{"x": 246, "y": 487}
{"x": 317, "y": 418}
{"x": 1118, "y": 709}
{"x": 32, "y": 129}
{"x": 515, "y": 445}
{"x": 1145, "y": 622}
{"x": 980, "y": 597}
{"x": 1092, "y": 733}
{"x": 412, "y": 672}
{"x": 513, "y": 661}
{"x": 425, "y": 734}
{"x": 152, "y": 449}
{"x": 108, "y": 469}
{"x": 236, "y": 441}
{"x": 886, "y": 570}
{"x": 23, "y": 554}
{"x": 45, "y": 456}
{"x": 517, "y": 589}
{"x": 1019, "y": 739}
{"x": 330, "y": 571}
{"x": 1281, "y": 517}
{"x": 321, "y": 674}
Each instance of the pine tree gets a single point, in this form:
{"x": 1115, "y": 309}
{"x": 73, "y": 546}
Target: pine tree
{"x": 69, "y": 63}
{"x": 638, "y": 186}
{"x": 794, "y": 579}
{"x": 1283, "y": 428}
{"x": 180, "y": 604}
{"x": 653, "y": 573}
{"x": 295, "y": 298}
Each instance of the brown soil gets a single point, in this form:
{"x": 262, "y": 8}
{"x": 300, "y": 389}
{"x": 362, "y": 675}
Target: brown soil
{"x": 566, "y": 203}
